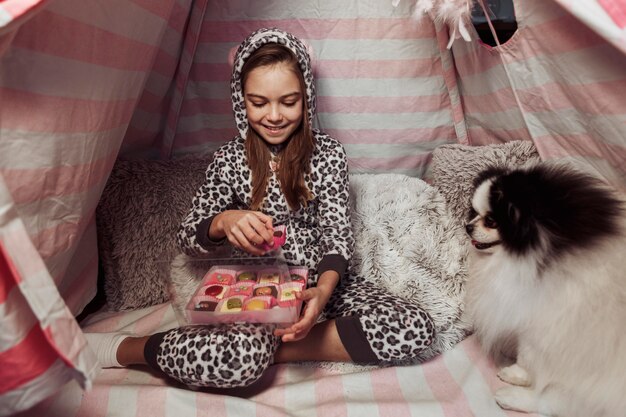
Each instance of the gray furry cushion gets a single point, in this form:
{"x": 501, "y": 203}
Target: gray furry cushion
{"x": 454, "y": 167}
{"x": 406, "y": 242}
{"x": 137, "y": 217}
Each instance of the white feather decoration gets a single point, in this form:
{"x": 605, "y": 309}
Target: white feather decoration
{"x": 456, "y": 14}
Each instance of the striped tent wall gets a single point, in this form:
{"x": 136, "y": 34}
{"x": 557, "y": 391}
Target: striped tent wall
{"x": 556, "y": 82}
{"x": 380, "y": 75}
{"x": 75, "y": 77}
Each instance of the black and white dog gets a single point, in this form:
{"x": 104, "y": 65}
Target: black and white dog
{"x": 548, "y": 276}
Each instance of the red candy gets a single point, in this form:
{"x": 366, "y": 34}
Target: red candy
{"x": 214, "y": 290}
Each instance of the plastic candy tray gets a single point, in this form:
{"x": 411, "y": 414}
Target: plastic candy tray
{"x": 247, "y": 293}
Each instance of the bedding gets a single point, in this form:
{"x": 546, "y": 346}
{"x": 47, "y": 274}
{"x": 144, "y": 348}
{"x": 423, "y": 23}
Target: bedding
{"x": 459, "y": 383}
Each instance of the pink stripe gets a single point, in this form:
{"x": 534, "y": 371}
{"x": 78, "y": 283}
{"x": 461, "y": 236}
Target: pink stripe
{"x": 52, "y": 113}
{"x": 164, "y": 64}
{"x": 152, "y": 103}
{"x": 388, "y": 393}
{"x": 594, "y": 98}
{"x": 384, "y": 105}
{"x": 352, "y": 69}
{"x": 54, "y": 240}
{"x": 210, "y": 405}
{"x": 113, "y": 50}
{"x": 494, "y": 102}
{"x": 562, "y": 146}
{"x": 162, "y": 9}
{"x": 359, "y": 28}
{"x": 26, "y": 360}
{"x": 401, "y": 162}
{"x": 151, "y": 401}
{"x": 270, "y": 402}
{"x": 30, "y": 185}
{"x": 445, "y": 389}
{"x": 554, "y": 96}
{"x": 400, "y": 68}
{"x": 96, "y": 402}
{"x": 326, "y": 104}
{"x": 329, "y": 394}
{"x": 617, "y": 10}
{"x": 479, "y": 135}
{"x": 391, "y": 136}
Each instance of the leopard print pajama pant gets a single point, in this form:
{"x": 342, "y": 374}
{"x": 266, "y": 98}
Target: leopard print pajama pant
{"x": 374, "y": 327}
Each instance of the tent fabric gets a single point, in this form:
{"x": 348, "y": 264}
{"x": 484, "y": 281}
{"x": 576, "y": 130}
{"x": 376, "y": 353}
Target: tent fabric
{"x": 84, "y": 82}
{"x": 555, "y": 82}
{"x": 380, "y": 79}
{"x": 606, "y": 17}
{"x": 74, "y": 77}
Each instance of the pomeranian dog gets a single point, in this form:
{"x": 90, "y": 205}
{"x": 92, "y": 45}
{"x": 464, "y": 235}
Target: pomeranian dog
{"x": 547, "y": 285}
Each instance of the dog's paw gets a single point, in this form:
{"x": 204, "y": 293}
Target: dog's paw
{"x": 517, "y": 399}
{"x": 515, "y": 375}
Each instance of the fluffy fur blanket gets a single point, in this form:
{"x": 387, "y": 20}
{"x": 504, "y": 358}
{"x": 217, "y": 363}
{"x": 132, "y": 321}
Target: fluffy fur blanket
{"x": 406, "y": 242}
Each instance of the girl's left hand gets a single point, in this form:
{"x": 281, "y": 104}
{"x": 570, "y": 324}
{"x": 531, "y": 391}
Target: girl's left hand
{"x": 316, "y": 299}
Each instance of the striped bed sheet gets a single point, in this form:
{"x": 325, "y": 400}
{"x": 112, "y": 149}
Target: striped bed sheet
{"x": 459, "y": 383}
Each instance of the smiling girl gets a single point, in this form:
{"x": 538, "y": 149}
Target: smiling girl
{"x": 279, "y": 171}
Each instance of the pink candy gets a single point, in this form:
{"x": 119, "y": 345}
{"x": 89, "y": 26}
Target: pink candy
{"x": 280, "y": 236}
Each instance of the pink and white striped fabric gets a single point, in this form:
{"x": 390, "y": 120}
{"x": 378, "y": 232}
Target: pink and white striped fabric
{"x": 556, "y": 82}
{"x": 83, "y": 81}
{"x": 74, "y": 77}
{"x": 380, "y": 76}
{"x": 460, "y": 383}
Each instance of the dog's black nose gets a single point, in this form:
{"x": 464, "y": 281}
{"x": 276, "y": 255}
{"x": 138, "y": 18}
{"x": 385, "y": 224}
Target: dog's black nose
{"x": 469, "y": 228}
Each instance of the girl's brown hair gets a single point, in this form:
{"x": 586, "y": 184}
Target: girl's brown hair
{"x": 295, "y": 157}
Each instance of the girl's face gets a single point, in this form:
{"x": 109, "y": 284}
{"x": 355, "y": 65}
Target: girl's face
{"x": 273, "y": 102}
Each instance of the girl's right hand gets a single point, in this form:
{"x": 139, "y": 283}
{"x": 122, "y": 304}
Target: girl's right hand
{"x": 244, "y": 229}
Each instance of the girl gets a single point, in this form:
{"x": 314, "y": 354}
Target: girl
{"x": 279, "y": 171}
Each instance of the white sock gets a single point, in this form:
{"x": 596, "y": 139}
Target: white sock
{"x": 105, "y": 347}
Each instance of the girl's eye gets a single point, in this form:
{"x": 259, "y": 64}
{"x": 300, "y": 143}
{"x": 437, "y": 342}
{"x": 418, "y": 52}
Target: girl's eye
{"x": 258, "y": 104}
{"x": 290, "y": 104}
{"x": 489, "y": 222}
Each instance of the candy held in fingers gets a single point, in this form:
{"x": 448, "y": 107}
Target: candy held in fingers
{"x": 280, "y": 236}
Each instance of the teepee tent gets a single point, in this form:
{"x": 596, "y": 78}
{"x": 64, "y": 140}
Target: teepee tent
{"x": 83, "y": 83}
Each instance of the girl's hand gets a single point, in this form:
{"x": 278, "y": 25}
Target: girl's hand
{"x": 244, "y": 229}
{"x": 316, "y": 299}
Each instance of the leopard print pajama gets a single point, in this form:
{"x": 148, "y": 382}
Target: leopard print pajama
{"x": 374, "y": 326}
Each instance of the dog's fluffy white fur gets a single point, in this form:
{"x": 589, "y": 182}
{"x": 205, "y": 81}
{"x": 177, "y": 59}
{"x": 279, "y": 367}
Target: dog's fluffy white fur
{"x": 548, "y": 279}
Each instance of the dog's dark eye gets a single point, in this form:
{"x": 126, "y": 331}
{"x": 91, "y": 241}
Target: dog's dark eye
{"x": 489, "y": 222}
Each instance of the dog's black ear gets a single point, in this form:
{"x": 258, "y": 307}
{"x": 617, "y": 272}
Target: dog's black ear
{"x": 514, "y": 213}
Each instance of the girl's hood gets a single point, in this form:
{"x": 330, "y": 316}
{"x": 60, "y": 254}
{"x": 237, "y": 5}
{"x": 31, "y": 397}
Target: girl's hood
{"x": 251, "y": 44}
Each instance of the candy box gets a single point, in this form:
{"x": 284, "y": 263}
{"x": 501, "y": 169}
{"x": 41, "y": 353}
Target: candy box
{"x": 247, "y": 293}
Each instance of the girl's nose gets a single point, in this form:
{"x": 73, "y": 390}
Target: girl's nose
{"x": 274, "y": 115}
